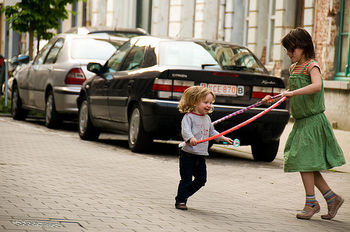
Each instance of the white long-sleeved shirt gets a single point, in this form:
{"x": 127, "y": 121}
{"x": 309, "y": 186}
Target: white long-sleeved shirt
{"x": 199, "y": 127}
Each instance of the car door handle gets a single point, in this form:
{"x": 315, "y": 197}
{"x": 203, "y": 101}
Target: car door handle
{"x": 131, "y": 83}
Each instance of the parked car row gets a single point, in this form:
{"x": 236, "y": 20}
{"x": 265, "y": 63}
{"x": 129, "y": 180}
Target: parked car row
{"x": 137, "y": 90}
{"x": 52, "y": 81}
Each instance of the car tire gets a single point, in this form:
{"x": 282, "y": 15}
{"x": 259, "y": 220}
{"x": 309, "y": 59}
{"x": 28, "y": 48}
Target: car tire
{"x": 17, "y": 112}
{"x": 139, "y": 140}
{"x": 52, "y": 118}
{"x": 265, "y": 151}
{"x": 86, "y": 129}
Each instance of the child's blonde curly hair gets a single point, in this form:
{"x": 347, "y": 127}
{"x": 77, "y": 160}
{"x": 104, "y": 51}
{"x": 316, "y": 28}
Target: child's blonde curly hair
{"x": 192, "y": 96}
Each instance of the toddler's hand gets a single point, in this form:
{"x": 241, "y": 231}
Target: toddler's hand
{"x": 228, "y": 140}
{"x": 267, "y": 99}
{"x": 193, "y": 141}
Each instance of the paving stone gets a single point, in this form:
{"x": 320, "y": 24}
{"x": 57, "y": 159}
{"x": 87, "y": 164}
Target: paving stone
{"x": 53, "y": 176}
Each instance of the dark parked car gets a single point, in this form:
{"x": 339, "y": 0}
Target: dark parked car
{"x": 138, "y": 89}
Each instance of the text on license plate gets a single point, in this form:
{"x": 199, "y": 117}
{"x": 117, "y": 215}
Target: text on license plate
{"x": 225, "y": 90}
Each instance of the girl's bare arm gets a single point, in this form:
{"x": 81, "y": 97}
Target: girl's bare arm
{"x": 314, "y": 87}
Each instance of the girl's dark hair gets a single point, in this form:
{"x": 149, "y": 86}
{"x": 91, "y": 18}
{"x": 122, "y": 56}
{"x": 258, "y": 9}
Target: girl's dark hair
{"x": 299, "y": 38}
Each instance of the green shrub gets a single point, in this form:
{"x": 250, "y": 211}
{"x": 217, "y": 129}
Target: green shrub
{"x": 3, "y": 108}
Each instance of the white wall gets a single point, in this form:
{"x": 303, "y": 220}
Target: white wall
{"x": 175, "y": 12}
{"x": 160, "y": 17}
{"x": 206, "y": 19}
{"x": 113, "y": 13}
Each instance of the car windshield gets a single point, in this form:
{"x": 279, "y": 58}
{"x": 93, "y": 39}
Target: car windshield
{"x": 92, "y": 49}
{"x": 208, "y": 56}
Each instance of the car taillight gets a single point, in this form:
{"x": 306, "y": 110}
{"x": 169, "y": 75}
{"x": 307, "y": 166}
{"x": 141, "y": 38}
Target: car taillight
{"x": 162, "y": 85}
{"x": 225, "y": 74}
{"x": 261, "y": 92}
{"x": 75, "y": 77}
{"x": 167, "y": 88}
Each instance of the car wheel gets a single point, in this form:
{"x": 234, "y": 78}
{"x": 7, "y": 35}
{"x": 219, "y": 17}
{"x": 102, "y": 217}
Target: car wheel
{"x": 17, "y": 112}
{"x": 139, "y": 140}
{"x": 87, "y": 131}
{"x": 52, "y": 118}
{"x": 265, "y": 151}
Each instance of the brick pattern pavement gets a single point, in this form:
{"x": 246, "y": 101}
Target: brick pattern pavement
{"x": 53, "y": 181}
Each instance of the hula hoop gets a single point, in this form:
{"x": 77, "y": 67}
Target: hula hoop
{"x": 243, "y": 110}
{"x": 243, "y": 123}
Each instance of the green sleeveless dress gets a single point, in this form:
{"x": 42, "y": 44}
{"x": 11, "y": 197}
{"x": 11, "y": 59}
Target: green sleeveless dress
{"x": 311, "y": 145}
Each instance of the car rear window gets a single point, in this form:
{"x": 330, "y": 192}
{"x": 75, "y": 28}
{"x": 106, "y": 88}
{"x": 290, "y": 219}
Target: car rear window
{"x": 92, "y": 49}
{"x": 208, "y": 55}
{"x": 185, "y": 54}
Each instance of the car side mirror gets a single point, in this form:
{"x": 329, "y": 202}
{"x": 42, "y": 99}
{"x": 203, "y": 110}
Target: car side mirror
{"x": 95, "y": 68}
{"x": 23, "y": 59}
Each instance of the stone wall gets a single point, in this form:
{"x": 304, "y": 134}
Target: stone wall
{"x": 337, "y": 103}
{"x": 326, "y": 35}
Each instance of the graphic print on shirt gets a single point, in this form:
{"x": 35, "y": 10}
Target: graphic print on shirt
{"x": 204, "y": 131}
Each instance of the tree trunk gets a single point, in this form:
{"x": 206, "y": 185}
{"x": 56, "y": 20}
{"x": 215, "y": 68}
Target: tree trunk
{"x": 31, "y": 44}
{"x": 37, "y": 44}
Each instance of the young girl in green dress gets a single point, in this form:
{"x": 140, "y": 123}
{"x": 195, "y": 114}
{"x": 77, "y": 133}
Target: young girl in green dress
{"x": 311, "y": 145}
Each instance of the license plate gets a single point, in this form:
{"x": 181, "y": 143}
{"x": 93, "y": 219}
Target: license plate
{"x": 225, "y": 90}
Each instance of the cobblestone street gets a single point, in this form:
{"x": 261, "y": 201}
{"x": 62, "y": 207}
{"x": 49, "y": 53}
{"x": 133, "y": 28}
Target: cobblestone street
{"x": 50, "y": 180}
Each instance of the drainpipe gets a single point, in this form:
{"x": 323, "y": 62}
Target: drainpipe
{"x": 6, "y": 59}
{"x": 229, "y": 20}
{"x": 221, "y": 20}
{"x": 314, "y": 20}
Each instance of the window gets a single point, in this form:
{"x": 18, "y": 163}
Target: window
{"x": 184, "y": 54}
{"x": 85, "y": 48}
{"x": 42, "y": 54}
{"x": 202, "y": 55}
{"x": 150, "y": 58}
{"x": 54, "y": 52}
{"x": 117, "y": 58}
{"x": 134, "y": 58}
{"x": 343, "y": 59}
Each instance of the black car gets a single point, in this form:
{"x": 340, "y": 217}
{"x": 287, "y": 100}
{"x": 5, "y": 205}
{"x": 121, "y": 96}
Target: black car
{"x": 138, "y": 89}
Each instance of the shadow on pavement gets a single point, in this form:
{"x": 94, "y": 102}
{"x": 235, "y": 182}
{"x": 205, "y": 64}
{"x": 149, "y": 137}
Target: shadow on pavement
{"x": 167, "y": 149}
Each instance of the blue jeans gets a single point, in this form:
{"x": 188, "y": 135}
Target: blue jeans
{"x": 190, "y": 165}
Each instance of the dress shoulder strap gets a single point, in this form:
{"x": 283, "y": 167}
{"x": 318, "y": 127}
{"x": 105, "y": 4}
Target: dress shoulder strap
{"x": 307, "y": 64}
{"x": 292, "y": 67}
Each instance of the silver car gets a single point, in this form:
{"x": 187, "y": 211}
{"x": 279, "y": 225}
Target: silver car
{"x": 52, "y": 81}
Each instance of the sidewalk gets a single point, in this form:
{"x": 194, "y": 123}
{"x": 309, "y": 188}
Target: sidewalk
{"x": 53, "y": 181}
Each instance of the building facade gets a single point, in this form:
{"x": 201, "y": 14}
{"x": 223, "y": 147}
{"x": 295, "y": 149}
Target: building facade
{"x": 257, "y": 24}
